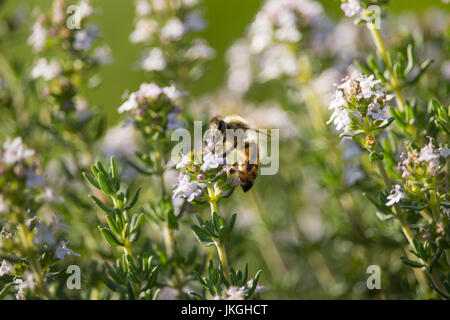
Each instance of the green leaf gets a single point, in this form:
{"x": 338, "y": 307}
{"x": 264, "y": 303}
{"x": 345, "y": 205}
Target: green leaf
{"x": 91, "y": 180}
{"x": 5, "y": 290}
{"x": 100, "y": 204}
{"x": 104, "y": 184}
{"x": 133, "y": 200}
{"x": 255, "y": 284}
{"x": 113, "y": 225}
{"x": 373, "y": 156}
{"x": 202, "y": 236}
{"x": 411, "y": 263}
{"x": 110, "y": 238}
{"x": 114, "y": 171}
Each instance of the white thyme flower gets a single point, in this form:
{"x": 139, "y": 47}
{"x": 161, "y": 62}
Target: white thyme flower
{"x": 172, "y": 93}
{"x": 277, "y": 61}
{"x": 149, "y": 90}
{"x": 62, "y": 250}
{"x": 258, "y": 288}
{"x": 211, "y": 161}
{"x": 340, "y": 116}
{"x": 173, "y": 30}
{"x": 351, "y": 7}
{"x": 186, "y": 188}
{"x": 27, "y": 281}
{"x": 236, "y": 293}
{"x": 200, "y": 50}
{"x": 376, "y": 112}
{"x": 129, "y": 104}
{"x": 428, "y": 153}
{"x": 184, "y": 162}
{"x": 396, "y": 195}
{"x": 366, "y": 85}
{"x": 154, "y": 60}
{"x": 3, "y": 205}
{"x": 46, "y": 70}
{"x": 38, "y": 37}
{"x": 85, "y": 9}
{"x": 14, "y": 151}
{"x": 6, "y": 268}
{"x": 58, "y": 13}
{"x": 145, "y": 28}
{"x": 143, "y": 8}
{"x": 444, "y": 151}
{"x": 102, "y": 55}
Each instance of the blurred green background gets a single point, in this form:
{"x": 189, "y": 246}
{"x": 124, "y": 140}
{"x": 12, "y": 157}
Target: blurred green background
{"x": 227, "y": 22}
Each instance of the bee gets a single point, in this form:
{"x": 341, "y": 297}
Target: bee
{"x": 247, "y": 149}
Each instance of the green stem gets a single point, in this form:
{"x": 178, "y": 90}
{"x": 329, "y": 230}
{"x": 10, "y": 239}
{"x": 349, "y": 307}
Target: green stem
{"x": 398, "y": 212}
{"x": 395, "y": 83}
{"x": 223, "y": 260}
{"x": 220, "y": 247}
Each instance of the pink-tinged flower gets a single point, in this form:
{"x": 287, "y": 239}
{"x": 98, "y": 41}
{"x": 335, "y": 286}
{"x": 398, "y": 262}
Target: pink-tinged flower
{"x": 187, "y": 188}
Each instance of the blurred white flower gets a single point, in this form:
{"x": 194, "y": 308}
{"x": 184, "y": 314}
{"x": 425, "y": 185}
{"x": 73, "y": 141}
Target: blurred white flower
{"x": 129, "y": 104}
{"x": 277, "y": 61}
{"x": 120, "y": 142}
{"x": 149, "y": 90}
{"x": 173, "y": 30}
{"x": 14, "y": 151}
{"x": 396, "y": 195}
{"x": 85, "y": 9}
{"x": 27, "y": 281}
{"x": 235, "y": 293}
{"x": 353, "y": 174}
{"x": 428, "y": 153}
{"x": 200, "y": 50}
{"x": 143, "y": 8}
{"x": 351, "y": 7}
{"x": 3, "y": 204}
{"x": 444, "y": 151}
{"x": 44, "y": 235}
{"x": 6, "y": 268}
{"x": 239, "y": 72}
{"x": 102, "y": 55}
{"x": 145, "y": 28}
{"x": 46, "y": 70}
{"x": 154, "y": 61}
{"x": 38, "y": 37}
{"x": 62, "y": 250}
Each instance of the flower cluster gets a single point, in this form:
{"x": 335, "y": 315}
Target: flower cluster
{"x": 206, "y": 175}
{"x": 65, "y": 74}
{"x": 359, "y": 105}
{"x": 167, "y": 27}
{"x": 154, "y": 109}
{"x": 269, "y": 49}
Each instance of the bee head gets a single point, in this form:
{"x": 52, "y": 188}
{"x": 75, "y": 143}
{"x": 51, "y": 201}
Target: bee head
{"x": 218, "y": 123}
